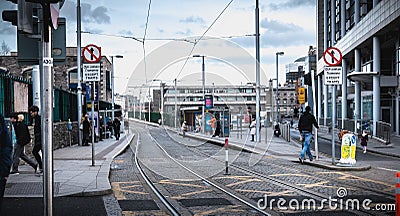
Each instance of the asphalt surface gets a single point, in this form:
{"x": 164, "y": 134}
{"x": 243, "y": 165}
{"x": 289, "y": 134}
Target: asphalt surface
{"x": 61, "y": 206}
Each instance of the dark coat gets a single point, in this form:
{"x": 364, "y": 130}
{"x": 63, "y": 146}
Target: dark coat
{"x": 22, "y": 133}
{"x": 5, "y": 149}
{"x": 37, "y": 129}
{"x": 306, "y": 122}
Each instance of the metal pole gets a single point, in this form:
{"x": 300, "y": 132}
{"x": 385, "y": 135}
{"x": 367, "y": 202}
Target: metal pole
{"x": 112, "y": 88}
{"x": 258, "y": 137}
{"x": 78, "y": 62}
{"x": 176, "y": 105}
{"x": 140, "y": 104}
{"x": 162, "y": 103}
{"x": 333, "y": 122}
{"x": 277, "y": 89}
{"x": 47, "y": 121}
{"x": 149, "y": 105}
{"x": 314, "y": 89}
{"x": 93, "y": 98}
{"x": 203, "y": 117}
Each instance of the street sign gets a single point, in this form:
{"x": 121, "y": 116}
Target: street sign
{"x": 333, "y": 56}
{"x": 91, "y": 72}
{"x": 333, "y": 75}
{"x": 301, "y": 95}
{"x": 91, "y": 53}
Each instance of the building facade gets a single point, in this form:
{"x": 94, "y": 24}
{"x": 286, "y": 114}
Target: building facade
{"x": 367, "y": 33}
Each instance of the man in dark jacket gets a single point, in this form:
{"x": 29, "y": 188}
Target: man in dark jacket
{"x": 37, "y": 130}
{"x": 23, "y": 138}
{"x": 116, "y": 125}
{"x": 5, "y": 156}
{"x": 306, "y": 122}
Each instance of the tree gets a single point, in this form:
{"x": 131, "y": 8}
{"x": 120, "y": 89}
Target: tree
{"x": 4, "y": 49}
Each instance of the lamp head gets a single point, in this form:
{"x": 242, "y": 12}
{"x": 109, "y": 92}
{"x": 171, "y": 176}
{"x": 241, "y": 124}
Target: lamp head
{"x": 280, "y": 53}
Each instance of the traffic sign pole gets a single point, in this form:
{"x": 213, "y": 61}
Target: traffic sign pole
{"x": 333, "y": 76}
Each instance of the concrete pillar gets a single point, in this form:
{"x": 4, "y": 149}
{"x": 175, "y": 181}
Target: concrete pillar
{"x": 342, "y": 18}
{"x": 344, "y": 90}
{"x": 376, "y": 94}
{"x": 357, "y": 87}
{"x": 325, "y": 103}
{"x": 333, "y": 21}
{"x": 319, "y": 97}
{"x": 325, "y": 24}
{"x": 356, "y": 11}
{"x": 397, "y": 104}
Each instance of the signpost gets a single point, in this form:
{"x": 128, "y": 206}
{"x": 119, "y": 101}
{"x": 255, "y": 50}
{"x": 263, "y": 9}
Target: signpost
{"x": 333, "y": 76}
{"x": 91, "y": 73}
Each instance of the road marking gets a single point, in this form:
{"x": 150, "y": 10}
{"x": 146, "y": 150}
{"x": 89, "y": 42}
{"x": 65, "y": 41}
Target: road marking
{"x": 387, "y": 169}
{"x": 180, "y": 184}
{"x": 185, "y": 195}
{"x": 318, "y": 184}
{"x": 243, "y": 182}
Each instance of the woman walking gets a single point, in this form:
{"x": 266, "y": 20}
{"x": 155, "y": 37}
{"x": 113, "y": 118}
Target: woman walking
{"x": 364, "y": 140}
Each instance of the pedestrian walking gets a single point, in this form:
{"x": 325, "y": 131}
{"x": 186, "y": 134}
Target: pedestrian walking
{"x": 110, "y": 127}
{"x": 37, "y": 128}
{"x": 86, "y": 130}
{"x": 252, "y": 129}
{"x": 5, "y": 157}
{"x": 184, "y": 128}
{"x": 101, "y": 128}
{"x": 23, "y": 138}
{"x": 306, "y": 122}
{"x": 117, "y": 128}
{"x": 364, "y": 140}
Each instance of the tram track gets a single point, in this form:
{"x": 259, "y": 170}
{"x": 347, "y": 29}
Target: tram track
{"x": 302, "y": 190}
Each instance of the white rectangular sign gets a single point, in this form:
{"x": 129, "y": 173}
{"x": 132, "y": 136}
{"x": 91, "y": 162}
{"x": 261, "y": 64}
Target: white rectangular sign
{"x": 333, "y": 75}
{"x": 91, "y": 72}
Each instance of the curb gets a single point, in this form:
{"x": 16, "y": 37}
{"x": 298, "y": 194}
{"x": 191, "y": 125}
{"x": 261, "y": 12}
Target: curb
{"x": 369, "y": 150}
{"x": 333, "y": 167}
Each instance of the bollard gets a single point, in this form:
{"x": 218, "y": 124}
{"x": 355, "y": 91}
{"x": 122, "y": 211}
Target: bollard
{"x": 398, "y": 194}
{"x": 226, "y": 156}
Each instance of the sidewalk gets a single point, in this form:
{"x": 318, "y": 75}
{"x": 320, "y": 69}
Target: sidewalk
{"x": 73, "y": 171}
{"x": 374, "y": 146}
{"x": 278, "y": 147}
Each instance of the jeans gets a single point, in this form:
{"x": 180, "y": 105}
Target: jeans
{"x": 19, "y": 153}
{"x": 306, "y": 147}
{"x": 36, "y": 148}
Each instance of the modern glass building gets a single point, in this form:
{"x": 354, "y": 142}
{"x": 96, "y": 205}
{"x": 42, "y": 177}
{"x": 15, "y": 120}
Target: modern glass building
{"x": 367, "y": 32}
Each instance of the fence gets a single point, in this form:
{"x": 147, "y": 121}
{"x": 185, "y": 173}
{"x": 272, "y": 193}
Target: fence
{"x": 285, "y": 131}
{"x": 16, "y": 96}
{"x": 383, "y": 131}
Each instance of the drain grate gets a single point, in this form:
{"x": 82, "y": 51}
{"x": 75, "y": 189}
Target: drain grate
{"x": 28, "y": 188}
{"x": 204, "y": 202}
{"x": 137, "y": 205}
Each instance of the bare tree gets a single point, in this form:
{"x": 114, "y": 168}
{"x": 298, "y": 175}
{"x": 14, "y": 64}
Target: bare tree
{"x": 4, "y": 49}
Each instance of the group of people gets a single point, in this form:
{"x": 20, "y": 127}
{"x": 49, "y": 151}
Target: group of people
{"x": 114, "y": 127}
{"x": 20, "y": 135}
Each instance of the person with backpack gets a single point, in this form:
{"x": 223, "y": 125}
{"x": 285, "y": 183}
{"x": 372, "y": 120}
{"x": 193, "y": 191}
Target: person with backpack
{"x": 23, "y": 138}
{"x": 306, "y": 123}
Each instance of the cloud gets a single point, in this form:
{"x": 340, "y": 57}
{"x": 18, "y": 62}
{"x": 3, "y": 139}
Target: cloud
{"x": 291, "y": 4}
{"x": 126, "y": 32}
{"x": 274, "y": 26}
{"x": 97, "y": 15}
{"x": 193, "y": 19}
{"x": 279, "y": 34}
{"x": 94, "y": 30}
{"x": 188, "y": 32}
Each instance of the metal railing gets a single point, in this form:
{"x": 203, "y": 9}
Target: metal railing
{"x": 383, "y": 131}
{"x": 285, "y": 131}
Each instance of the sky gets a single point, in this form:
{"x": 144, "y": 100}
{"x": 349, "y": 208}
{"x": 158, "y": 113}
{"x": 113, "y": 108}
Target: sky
{"x": 222, "y": 31}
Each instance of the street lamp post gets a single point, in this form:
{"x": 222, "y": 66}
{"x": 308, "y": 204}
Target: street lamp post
{"x": 176, "y": 105}
{"x": 112, "y": 84}
{"x": 203, "y": 118}
{"x": 277, "y": 86}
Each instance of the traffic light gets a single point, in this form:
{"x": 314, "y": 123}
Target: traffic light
{"x": 307, "y": 79}
{"x": 22, "y": 18}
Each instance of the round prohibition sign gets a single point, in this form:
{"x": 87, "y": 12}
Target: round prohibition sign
{"x": 91, "y": 53}
{"x": 333, "y": 56}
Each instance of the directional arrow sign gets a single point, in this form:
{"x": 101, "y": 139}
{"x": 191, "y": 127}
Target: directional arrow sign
{"x": 333, "y": 56}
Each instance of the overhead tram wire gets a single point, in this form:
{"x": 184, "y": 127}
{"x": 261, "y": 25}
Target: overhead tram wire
{"x": 143, "y": 42}
{"x": 201, "y": 37}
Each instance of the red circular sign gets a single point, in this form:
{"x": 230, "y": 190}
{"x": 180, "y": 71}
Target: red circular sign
{"x": 91, "y": 53}
{"x": 333, "y": 56}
